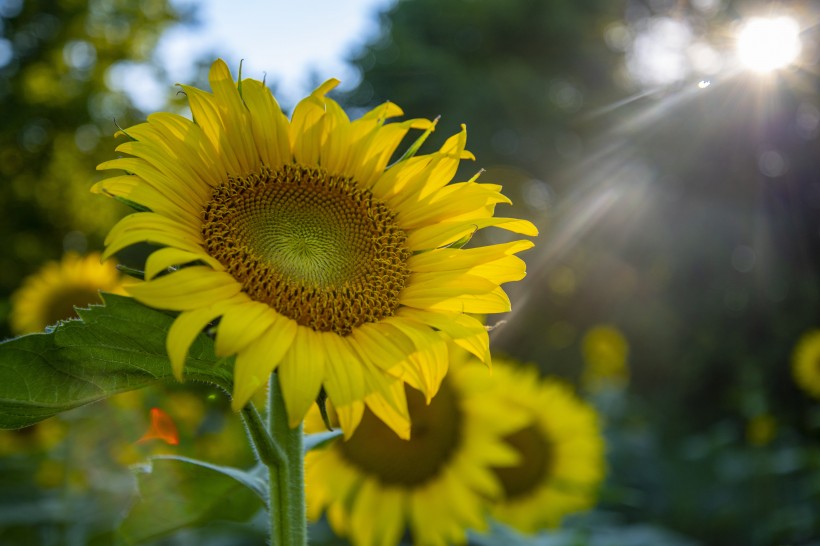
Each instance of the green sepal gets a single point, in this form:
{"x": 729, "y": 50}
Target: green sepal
{"x": 321, "y": 401}
{"x": 131, "y": 272}
{"x": 463, "y": 241}
{"x": 136, "y": 206}
{"x": 320, "y": 439}
{"x": 411, "y": 151}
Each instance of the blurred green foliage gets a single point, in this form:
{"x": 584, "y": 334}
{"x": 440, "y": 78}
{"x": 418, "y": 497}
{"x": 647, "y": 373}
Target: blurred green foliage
{"x": 60, "y": 98}
{"x": 661, "y": 213}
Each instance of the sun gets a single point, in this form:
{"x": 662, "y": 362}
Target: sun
{"x": 768, "y": 44}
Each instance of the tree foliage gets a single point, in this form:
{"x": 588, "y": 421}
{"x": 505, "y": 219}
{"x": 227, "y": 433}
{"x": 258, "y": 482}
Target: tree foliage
{"x": 59, "y": 63}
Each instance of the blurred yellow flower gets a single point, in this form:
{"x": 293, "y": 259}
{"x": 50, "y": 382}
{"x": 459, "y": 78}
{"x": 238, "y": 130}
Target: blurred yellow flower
{"x": 323, "y": 262}
{"x": 562, "y": 451}
{"x": 375, "y": 486}
{"x": 51, "y": 294}
{"x": 42, "y": 437}
{"x": 761, "y": 429}
{"x": 806, "y": 363}
{"x": 605, "y": 350}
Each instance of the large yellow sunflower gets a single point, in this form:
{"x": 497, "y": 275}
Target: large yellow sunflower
{"x": 51, "y": 294}
{"x": 375, "y": 486}
{"x": 322, "y": 261}
{"x": 562, "y": 451}
{"x": 806, "y": 363}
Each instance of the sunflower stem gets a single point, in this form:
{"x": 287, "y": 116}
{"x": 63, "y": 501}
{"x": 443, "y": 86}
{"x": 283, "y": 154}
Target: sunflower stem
{"x": 267, "y": 451}
{"x": 288, "y": 524}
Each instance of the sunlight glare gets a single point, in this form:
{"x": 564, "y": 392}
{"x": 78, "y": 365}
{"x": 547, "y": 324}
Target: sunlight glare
{"x": 767, "y": 44}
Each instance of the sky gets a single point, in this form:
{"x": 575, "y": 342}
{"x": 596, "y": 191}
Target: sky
{"x": 281, "y": 40}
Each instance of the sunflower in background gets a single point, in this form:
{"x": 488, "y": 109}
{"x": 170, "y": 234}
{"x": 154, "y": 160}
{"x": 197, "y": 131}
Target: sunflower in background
{"x": 806, "y": 363}
{"x": 562, "y": 451}
{"x": 51, "y": 294}
{"x": 375, "y": 487}
{"x": 605, "y": 350}
{"x": 322, "y": 259}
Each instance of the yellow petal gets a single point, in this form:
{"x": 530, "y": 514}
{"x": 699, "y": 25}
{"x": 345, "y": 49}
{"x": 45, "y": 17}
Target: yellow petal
{"x": 271, "y": 130}
{"x": 376, "y": 517}
{"x": 349, "y": 417}
{"x": 344, "y": 380}
{"x": 307, "y": 130}
{"x": 301, "y": 373}
{"x": 242, "y": 324}
{"x": 445, "y": 233}
{"x": 160, "y": 260}
{"x": 426, "y": 289}
{"x": 184, "y": 330}
{"x": 382, "y": 345}
{"x": 477, "y": 304}
{"x": 186, "y": 289}
{"x": 256, "y": 362}
{"x": 391, "y": 408}
{"x": 178, "y": 194}
{"x": 135, "y": 189}
{"x": 448, "y": 204}
{"x": 468, "y": 332}
{"x": 236, "y": 126}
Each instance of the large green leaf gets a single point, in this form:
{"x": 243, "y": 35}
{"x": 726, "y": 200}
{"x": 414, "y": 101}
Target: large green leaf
{"x": 112, "y": 348}
{"x": 177, "y": 493}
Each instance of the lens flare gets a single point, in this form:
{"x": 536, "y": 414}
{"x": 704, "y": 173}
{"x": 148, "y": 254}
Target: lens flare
{"x": 767, "y": 44}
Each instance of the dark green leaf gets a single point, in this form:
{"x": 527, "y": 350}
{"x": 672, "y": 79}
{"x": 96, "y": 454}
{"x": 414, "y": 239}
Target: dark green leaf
{"x": 113, "y": 348}
{"x": 176, "y": 493}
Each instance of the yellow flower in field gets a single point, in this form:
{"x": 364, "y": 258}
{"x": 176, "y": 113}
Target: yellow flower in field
{"x": 605, "y": 351}
{"x": 761, "y": 429}
{"x": 321, "y": 261}
{"x": 806, "y": 363}
{"x": 376, "y": 486}
{"x": 562, "y": 452}
{"x": 51, "y": 294}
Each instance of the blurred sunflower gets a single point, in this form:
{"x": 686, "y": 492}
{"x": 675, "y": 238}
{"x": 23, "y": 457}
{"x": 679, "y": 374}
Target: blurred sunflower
{"x": 376, "y": 486}
{"x": 322, "y": 261}
{"x": 806, "y": 363}
{"x": 604, "y": 349}
{"x": 51, "y": 294}
{"x": 562, "y": 451}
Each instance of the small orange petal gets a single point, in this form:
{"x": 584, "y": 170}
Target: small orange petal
{"x": 162, "y": 428}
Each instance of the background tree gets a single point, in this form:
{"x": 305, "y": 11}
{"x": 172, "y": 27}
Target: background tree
{"x": 678, "y": 201}
{"x": 60, "y": 63}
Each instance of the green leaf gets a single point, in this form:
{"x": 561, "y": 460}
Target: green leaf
{"x": 112, "y": 348}
{"x": 177, "y": 493}
{"x": 320, "y": 439}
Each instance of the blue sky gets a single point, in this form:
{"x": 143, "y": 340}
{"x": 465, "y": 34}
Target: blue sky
{"x": 285, "y": 40}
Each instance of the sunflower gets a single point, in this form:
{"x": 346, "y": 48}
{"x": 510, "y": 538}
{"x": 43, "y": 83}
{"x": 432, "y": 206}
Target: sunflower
{"x": 320, "y": 260}
{"x": 376, "y": 486}
{"x": 806, "y": 363}
{"x": 51, "y": 294}
{"x": 605, "y": 351}
{"x": 562, "y": 451}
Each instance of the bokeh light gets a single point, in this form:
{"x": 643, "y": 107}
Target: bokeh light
{"x": 767, "y": 44}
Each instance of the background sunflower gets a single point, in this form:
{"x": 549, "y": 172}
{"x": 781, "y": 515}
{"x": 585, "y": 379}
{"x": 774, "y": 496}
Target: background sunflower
{"x": 51, "y": 294}
{"x": 806, "y": 363}
{"x": 375, "y": 487}
{"x": 562, "y": 461}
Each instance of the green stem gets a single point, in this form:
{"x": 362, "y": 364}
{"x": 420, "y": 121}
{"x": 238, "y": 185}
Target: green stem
{"x": 267, "y": 452}
{"x": 288, "y": 524}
